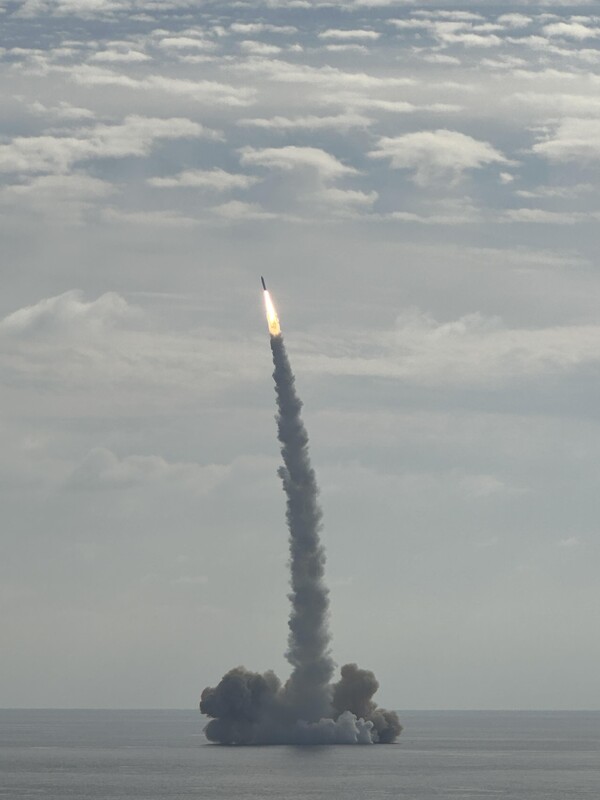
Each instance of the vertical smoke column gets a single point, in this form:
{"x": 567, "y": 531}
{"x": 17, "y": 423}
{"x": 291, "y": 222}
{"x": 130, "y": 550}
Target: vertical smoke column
{"x": 252, "y": 708}
{"x": 308, "y": 690}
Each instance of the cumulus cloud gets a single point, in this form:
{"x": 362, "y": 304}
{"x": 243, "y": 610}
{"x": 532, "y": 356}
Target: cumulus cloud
{"x": 102, "y": 469}
{"x": 259, "y": 48}
{"x": 346, "y": 48}
{"x": 545, "y": 217}
{"x": 470, "y": 39}
{"x": 574, "y": 139}
{"x": 454, "y": 29}
{"x": 324, "y": 77}
{"x": 186, "y": 43}
{"x": 247, "y": 28}
{"x": 434, "y": 155}
{"x": 514, "y": 20}
{"x": 473, "y": 349}
{"x": 358, "y": 33}
{"x": 311, "y": 177}
{"x": 555, "y": 103}
{"x": 239, "y": 211}
{"x": 61, "y": 111}
{"x": 293, "y": 157}
{"x": 310, "y": 122}
{"x": 125, "y": 56}
{"x": 571, "y": 30}
{"x": 570, "y": 541}
{"x": 344, "y": 202}
{"x": 217, "y": 180}
{"x": 410, "y": 24}
{"x": 202, "y": 91}
{"x": 135, "y": 136}
{"x": 443, "y": 212}
{"x": 440, "y": 58}
{"x": 67, "y": 313}
{"x": 164, "y": 218}
{"x": 574, "y": 190}
{"x": 90, "y": 9}
{"x": 62, "y": 198}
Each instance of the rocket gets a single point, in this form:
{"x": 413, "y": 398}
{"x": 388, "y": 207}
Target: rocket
{"x": 272, "y": 319}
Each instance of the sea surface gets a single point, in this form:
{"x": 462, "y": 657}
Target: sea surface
{"x": 162, "y": 755}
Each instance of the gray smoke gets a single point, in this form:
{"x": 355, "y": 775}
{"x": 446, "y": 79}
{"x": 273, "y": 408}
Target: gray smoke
{"x": 250, "y": 708}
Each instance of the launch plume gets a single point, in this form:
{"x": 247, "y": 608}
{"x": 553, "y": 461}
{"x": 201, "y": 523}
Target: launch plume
{"x": 253, "y": 708}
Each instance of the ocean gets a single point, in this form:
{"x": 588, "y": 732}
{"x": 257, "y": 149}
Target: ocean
{"x": 163, "y": 755}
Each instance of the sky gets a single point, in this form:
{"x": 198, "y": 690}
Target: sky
{"x": 418, "y": 183}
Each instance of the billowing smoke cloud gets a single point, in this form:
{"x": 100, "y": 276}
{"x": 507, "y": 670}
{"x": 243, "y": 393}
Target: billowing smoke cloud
{"x": 250, "y": 708}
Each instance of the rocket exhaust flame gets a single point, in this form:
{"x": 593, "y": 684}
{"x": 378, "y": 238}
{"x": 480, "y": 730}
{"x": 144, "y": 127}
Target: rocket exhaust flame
{"x": 272, "y": 318}
{"x": 250, "y": 708}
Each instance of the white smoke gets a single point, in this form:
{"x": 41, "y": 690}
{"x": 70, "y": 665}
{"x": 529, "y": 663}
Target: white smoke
{"x": 250, "y": 708}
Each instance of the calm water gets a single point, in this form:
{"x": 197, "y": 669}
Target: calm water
{"x": 57, "y": 755}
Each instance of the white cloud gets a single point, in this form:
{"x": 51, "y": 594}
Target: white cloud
{"x": 59, "y": 187}
{"x": 186, "y": 43}
{"x": 443, "y": 212}
{"x": 324, "y": 77}
{"x": 67, "y": 313}
{"x": 574, "y": 139}
{"x": 310, "y": 122}
{"x": 123, "y": 56}
{"x": 293, "y": 157}
{"x": 558, "y": 103}
{"x": 556, "y": 191}
{"x": 203, "y": 91}
{"x": 102, "y": 469}
{"x": 246, "y": 28}
{"x": 135, "y": 136}
{"x": 436, "y": 154}
{"x": 471, "y": 350}
{"x": 454, "y": 29}
{"x": 503, "y": 62}
{"x": 84, "y": 8}
{"x": 312, "y": 172}
{"x": 238, "y": 211}
{"x": 478, "y": 486}
{"x": 142, "y": 10}
{"x": 259, "y": 48}
{"x": 71, "y": 344}
{"x": 570, "y": 541}
{"x": 62, "y": 111}
{"x": 63, "y": 199}
{"x": 514, "y": 20}
{"x": 346, "y": 48}
{"x": 456, "y": 16}
{"x": 571, "y": 30}
{"x": 359, "y": 33}
{"x": 345, "y": 201}
{"x": 540, "y": 215}
{"x": 410, "y": 24}
{"x": 153, "y": 219}
{"x": 469, "y": 39}
{"x": 216, "y": 179}
{"x": 440, "y": 58}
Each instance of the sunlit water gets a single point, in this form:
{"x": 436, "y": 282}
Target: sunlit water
{"x": 57, "y": 755}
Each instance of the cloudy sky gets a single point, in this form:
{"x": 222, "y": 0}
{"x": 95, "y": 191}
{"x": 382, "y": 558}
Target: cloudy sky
{"x": 418, "y": 182}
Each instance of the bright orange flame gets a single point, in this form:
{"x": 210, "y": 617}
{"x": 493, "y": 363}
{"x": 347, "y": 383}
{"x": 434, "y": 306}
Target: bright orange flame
{"x": 272, "y": 318}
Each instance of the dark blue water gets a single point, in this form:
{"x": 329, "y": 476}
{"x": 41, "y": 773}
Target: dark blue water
{"x": 57, "y": 755}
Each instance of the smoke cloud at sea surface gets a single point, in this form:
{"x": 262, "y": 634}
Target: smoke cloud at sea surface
{"x": 253, "y": 708}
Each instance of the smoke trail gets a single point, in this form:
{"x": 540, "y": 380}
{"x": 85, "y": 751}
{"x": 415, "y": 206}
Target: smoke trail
{"x": 308, "y": 642}
{"x": 250, "y": 708}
